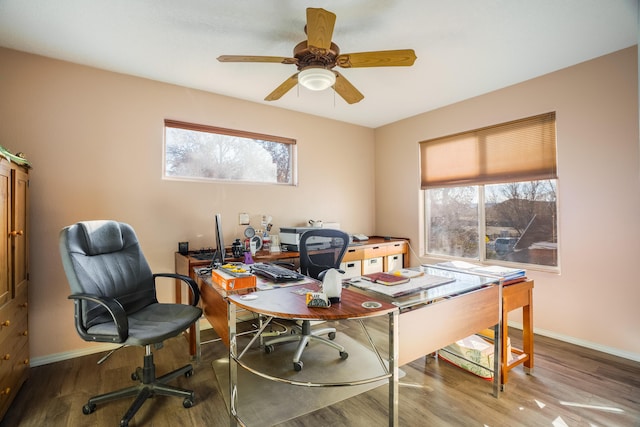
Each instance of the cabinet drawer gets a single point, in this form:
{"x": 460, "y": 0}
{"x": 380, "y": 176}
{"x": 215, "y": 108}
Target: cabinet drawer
{"x": 375, "y": 251}
{"x": 11, "y": 314}
{"x": 7, "y": 318}
{"x": 13, "y": 373}
{"x": 351, "y": 269}
{"x": 353, "y": 254}
{"x": 394, "y": 262}
{"x": 13, "y": 336}
{"x": 396, "y": 248}
{"x": 372, "y": 265}
{"x": 14, "y": 359}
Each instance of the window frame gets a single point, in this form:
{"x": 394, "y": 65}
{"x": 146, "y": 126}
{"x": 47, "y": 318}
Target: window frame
{"x": 293, "y": 160}
{"x": 478, "y": 149}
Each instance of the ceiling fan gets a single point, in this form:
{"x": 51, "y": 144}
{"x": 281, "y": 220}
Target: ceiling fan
{"x": 316, "y": 57}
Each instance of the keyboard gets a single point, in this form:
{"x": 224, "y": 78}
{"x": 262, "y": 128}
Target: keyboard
{"x": 275, "y": 273}
{"x": 202, "y": 256}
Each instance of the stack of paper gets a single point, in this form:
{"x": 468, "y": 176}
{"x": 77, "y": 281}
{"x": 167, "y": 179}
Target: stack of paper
{"x": 505, "y": 273}
{"x": 417, "y": 284}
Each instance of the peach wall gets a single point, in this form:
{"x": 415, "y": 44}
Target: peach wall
{"x": 95, "y": 140}
{"x": 594, "y": 299}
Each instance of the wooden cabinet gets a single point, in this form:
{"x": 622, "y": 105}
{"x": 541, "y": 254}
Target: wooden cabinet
{"x": 374, "y": 255}
{"x": 384, "y": 252}
{"x": 14, "y": 276}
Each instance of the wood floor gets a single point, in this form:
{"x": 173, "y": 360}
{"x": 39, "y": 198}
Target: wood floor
{"x": 571, "y": 386}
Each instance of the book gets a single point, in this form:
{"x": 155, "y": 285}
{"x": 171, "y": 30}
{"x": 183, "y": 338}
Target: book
{"x": 425, "y": 283}
{"x": 386, "y": 278}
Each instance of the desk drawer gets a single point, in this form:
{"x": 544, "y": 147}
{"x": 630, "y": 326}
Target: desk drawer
{"x": 396, "y": 248}
{"x": 375, "y": 251}
{"x": 353, "y": 254}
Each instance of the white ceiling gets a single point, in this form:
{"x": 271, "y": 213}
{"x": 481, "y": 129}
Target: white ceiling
{"x": 464, "y": 47}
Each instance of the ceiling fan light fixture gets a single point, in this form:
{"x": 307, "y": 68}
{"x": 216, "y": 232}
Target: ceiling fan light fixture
{"x": 316, "y": 78}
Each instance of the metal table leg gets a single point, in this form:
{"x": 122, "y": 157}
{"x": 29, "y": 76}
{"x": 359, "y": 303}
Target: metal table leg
{"x": 393, "y": 368}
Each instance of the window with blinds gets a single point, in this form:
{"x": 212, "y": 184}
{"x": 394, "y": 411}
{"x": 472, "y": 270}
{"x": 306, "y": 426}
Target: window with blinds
{"x": 490, "y": 193}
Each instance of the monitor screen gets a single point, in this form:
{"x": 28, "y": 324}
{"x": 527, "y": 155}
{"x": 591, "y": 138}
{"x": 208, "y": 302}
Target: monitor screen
{"x": 218, "y": 255}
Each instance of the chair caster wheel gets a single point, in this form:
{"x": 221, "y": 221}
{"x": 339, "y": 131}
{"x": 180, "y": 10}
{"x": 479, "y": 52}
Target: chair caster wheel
{"x": 268, "y": 349}
{"x": 189, "y": 373}
{"x": 344, "y": 355}
{"x": 188, "y": 402}
{"x": 332, "y": 335}
{"x": 297, "y": 366}
{"x": 88, "y": 408}
{"x": 124, "y": 423}
{"x": 135, "y": 376}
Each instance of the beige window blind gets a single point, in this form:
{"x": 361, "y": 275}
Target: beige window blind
{"x": 522, "y": 150}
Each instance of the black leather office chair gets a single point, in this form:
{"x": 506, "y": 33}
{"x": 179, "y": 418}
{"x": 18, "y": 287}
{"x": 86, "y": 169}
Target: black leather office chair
{"x": 114, "y": 294}
{"x": 320, "y": 250}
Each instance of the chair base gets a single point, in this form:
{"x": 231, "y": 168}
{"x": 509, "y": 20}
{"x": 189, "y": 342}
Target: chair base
{"x": 149, "y": 386}
{"x": 305, "y": 337}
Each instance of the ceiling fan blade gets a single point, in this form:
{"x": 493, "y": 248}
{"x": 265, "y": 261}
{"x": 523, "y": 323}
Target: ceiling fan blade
{"x": 346, "y": 90}
{"x": 319, "y": 28}
{"x": 244, "y": 58}
{"x": 382, "y": 58}
{"x": 283, "y": 88}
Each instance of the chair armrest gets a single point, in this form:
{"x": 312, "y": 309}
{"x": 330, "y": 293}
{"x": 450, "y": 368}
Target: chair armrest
{"x": 188, "y": 280}
{"x": 114, "y": 308}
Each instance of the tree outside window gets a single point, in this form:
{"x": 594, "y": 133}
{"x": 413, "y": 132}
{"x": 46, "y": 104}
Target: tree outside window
{"x": 208, "y": 153}
{"x": 519, "y": 222}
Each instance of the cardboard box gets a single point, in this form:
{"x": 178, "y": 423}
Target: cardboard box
{"x": 473, "y": 349}
{"x": 230, "y": 282}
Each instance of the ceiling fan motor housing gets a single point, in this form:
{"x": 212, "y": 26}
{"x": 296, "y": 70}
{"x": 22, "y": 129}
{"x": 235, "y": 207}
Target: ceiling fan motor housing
{"x": 315, "y": 57}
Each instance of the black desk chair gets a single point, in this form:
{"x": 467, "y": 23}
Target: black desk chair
{"x": 114, "y": 295}
{"x": 320, "y": 250}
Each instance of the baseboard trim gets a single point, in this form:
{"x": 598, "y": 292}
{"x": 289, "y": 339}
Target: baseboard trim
{"x": 582, "y": 343}
{"x": 58, "y": 357}
{"x": 98, "y": 348}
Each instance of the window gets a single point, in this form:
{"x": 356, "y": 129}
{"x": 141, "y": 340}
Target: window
{"x": 201, "y": 152}
{"x": 490, "y": 194}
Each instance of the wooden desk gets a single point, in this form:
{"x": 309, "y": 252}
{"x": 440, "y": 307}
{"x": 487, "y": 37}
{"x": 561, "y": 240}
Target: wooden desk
{"x": 374, "y": 248}
{"x": 185, "y": 264}
{"x": 214, "y": 305}
{"x": 441, "y": 315}
{"x": 446, "y": 314}
{"x": 446, "y": 321}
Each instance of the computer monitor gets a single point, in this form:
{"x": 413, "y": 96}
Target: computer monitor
{"x": 218, "y": 255}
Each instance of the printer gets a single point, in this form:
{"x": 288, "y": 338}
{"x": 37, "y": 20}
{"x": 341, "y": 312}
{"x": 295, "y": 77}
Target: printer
{"x": 290, "y": 239}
